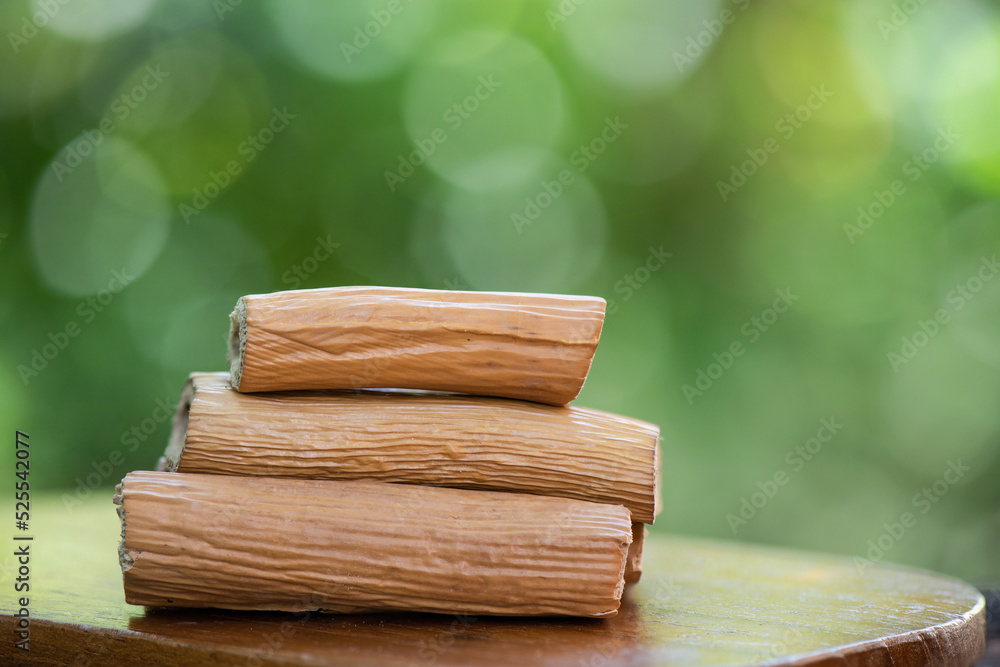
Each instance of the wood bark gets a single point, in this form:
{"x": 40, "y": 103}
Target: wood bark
{"x": 535, "y": 347}
{"x": 417, "y": 438}
{"x": 287, "y": 544}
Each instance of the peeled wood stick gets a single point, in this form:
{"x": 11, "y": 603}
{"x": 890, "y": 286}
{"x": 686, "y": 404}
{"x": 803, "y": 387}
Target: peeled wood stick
{"x": 536, "y": 347}
{"x": 417, "y": 438}
{"x": 633, "y": 562}
{"x": 294, "y": 545}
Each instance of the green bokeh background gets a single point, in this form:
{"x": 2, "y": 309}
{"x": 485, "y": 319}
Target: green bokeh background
{"x": 702, "y": 93}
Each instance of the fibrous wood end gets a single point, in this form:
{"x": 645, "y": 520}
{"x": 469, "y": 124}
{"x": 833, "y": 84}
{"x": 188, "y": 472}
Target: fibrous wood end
{"x": 237, "y": 341}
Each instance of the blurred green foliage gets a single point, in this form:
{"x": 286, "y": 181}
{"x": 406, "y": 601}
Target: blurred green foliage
{"x": 845, "y": 153}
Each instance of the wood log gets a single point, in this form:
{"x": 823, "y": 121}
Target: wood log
{"x": 701, "y": 602}
{"x": 294, "y": 545}
{"x": 633, "y": 561}
{"x": 535, "y": 347}
{"x": 417, "y": 438}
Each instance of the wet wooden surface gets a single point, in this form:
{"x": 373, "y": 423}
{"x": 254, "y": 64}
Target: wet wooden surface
{"x": 699, "y": 603}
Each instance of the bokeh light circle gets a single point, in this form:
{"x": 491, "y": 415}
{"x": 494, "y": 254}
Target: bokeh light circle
{"x": 941, "y": 66}
{"x": 193, "y": 105}
{"x": 169, "y": 85}
{"x": 174, "y": 321}
{"x": 537, "y": 235}
{"x": 99, "y": 207}
{"x": 643, "y": 44}
{"x": 352, "y": 41}
{"x": 482, "y": 121}
{"x": 91, "y": 20}
{"x": 967, "y": 101}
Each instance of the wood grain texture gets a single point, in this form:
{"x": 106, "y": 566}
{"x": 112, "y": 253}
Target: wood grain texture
{"x": 293, "y": 545}
{"x": 700, "y": 602}
{"x": 535, "y": 347}
{"x": 417, "y": 438}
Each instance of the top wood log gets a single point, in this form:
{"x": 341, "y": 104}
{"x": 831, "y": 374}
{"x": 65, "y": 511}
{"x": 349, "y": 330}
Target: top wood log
{"x": 535, "y": 347}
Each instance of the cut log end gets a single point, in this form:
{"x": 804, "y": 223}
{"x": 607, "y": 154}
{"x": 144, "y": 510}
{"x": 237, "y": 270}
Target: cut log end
{"x": 657, "y": 479}
{"x": 633, "y": 560}
{"x": 623, "y": 546}
{"x": 237, "y": 342}
{"x": 125, "y": 559}
{"x": 178, "y": 434}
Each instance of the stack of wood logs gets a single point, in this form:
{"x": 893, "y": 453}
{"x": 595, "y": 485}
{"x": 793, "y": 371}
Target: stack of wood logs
{"x": 377, "y": 448}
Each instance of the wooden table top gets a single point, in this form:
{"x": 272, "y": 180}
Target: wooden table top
{"x": 699, "y": 603}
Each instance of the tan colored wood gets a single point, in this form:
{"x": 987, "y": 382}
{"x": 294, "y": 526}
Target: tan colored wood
{"x": 291, "y": 544}
{"x": 535, "y": 347}
{"x": 633, "y": 561}
{"x": 417, "y": 438}
{"x": 700, "y": 602}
